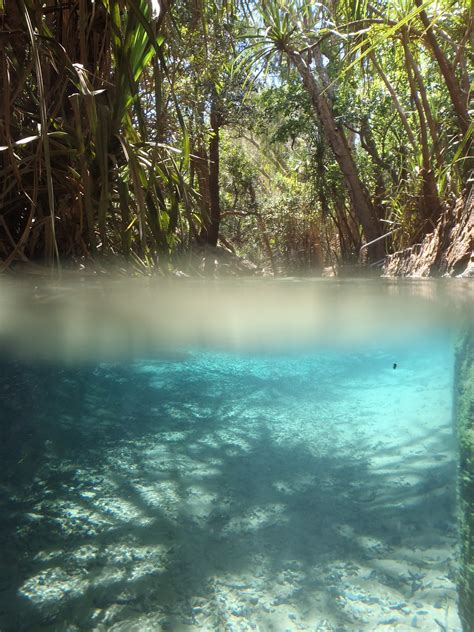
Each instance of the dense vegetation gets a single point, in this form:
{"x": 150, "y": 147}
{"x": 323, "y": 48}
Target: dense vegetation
{"x": 299, "y": 134}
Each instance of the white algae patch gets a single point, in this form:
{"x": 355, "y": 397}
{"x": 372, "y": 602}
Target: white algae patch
{"x": 232, "y": 493}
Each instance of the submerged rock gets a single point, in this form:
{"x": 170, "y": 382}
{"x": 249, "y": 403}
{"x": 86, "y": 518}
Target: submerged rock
{"x": 464, "y": 415}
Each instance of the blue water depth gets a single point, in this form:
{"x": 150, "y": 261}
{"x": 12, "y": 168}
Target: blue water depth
{"x": 209, "y": 490}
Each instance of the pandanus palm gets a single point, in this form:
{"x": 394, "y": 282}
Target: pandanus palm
{"x": 81, "y": 168}
{"x": 285, "y": 35}
{"x": 408, "y": 38}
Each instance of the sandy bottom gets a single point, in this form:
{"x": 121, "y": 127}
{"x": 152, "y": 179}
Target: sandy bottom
{"x": 211, "y": 491}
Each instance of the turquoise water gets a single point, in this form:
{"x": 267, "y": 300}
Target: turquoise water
{"x": 305, "y": 487}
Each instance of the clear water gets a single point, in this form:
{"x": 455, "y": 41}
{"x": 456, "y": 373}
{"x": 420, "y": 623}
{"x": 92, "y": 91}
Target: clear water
{"x": 305, "y": 485}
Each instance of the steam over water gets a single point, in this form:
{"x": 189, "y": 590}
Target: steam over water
{"x": 247, "y": 456}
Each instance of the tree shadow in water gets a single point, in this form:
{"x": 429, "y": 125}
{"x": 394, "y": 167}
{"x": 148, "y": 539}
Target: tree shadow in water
{"x": 156, "y": 503}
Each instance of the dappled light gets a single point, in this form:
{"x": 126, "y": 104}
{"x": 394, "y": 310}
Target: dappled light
{"x": 220, "y": 408}
{"x": 218, "y": 490}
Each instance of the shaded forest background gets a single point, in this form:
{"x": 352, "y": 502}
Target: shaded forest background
{"x": 294, "y": 133}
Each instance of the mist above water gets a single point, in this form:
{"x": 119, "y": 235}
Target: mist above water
{"x": 113, "y": 319}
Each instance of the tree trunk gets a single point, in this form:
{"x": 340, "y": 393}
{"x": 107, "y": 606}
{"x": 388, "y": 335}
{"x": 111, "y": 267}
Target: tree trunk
{"x": 210, "y": 232}
{"x": 396, "y": 102}
{"x": 447, "y": 71}
{"x": 348, "y": 243}
{"x": 431, "y": 205}
{"x": 200, "y": 164}
{"x": 424, "y": 99}
{"x": 262, "y": 227}
{"x": 367, "y": 142}
{"x": 340, "y": 147}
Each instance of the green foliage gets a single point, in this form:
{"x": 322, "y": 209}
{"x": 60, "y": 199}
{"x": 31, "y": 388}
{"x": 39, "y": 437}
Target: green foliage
{"x": 110, "y": 187}
{"x": 106, "y": 126}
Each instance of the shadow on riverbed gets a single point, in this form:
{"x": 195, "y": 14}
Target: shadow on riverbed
{"x": 185, "y": 507}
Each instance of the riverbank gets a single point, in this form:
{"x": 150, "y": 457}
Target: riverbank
{"x": 447, "y": 251}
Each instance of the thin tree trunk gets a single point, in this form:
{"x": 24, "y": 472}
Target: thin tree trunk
{"x": 367, "y": 142}
{"x": 396, "y": 102}
{"x": 200, "y": 164}
{"x": 431, "y": 206}
{"x": 424, "y": 97}
{"x": 262, "y": 227}
{"x": 339, "y": 218}
{"x": 340, "y": 147}
{"x": 447, "y": 71}
{"x": 212, "y": 228}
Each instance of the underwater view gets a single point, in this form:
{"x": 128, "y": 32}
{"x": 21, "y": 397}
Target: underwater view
{"x": 231, "y": 479}
{"x": 236, "y": 316}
